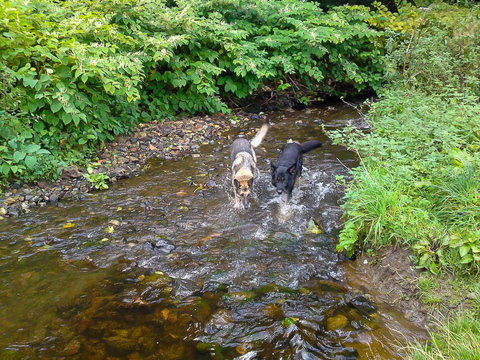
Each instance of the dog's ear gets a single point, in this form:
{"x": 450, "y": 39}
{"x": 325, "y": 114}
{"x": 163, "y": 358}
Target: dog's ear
{"x": 250, "y": 182}
{"x": 292, "y": 169}
{"x": 236, "y": 183}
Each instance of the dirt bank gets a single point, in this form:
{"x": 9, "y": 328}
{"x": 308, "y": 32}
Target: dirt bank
{"x": 390, "y": 277}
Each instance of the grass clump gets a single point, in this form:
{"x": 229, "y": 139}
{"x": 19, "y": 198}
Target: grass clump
{"x": 457, "y": 338}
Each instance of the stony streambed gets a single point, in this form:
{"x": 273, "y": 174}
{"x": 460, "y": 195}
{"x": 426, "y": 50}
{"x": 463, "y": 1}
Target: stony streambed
{"x": 124, "y": 158}
{"x": 160, "y": 266}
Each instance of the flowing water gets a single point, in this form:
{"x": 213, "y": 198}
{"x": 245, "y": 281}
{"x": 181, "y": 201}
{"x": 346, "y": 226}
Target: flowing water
{"x": 161, "y": 266}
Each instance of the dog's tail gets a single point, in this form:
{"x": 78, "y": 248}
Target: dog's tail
{"x": 310, "y": 145}
{"x": 257, "y": 139}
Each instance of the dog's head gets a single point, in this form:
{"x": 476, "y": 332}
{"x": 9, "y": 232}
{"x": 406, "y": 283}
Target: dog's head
{"x": 243, "y": 185}
{"x": 283, "y": 178}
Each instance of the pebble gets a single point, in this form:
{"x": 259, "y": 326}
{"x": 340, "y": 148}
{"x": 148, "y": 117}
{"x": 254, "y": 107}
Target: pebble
{"x": 9, "y": 201}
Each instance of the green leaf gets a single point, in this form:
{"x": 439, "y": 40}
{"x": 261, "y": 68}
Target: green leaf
{"x": 43, "y": 151}
{"x": 5, "y": 168}
{"x": 56, "y": 106}
{"x": 30, "y": 161}
{"x": 433, "y": 268}
{"x": 464, "y": 250}
{"x": 467, "y": 259}
{"x": 31, "y": 148}
{"x": 32, "y": 105}
{"x": 18, "y": 156}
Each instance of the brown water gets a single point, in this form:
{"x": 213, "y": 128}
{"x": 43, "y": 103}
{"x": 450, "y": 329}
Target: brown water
{"x": 161, "y": 266}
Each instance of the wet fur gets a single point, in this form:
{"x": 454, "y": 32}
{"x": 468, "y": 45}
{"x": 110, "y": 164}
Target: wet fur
{"x": 243, "y": 163}
{"x": 289, "y": 165}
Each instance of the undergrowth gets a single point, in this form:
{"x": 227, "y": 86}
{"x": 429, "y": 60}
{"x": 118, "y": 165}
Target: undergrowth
{"x": 419, "y": 183}
{"x": 75, "y": 74}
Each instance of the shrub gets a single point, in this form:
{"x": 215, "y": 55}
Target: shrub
{"x": 78, "y": 73}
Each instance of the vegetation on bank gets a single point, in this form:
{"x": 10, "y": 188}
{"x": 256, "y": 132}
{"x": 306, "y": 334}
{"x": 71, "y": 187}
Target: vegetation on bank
{"x": 75, "y": 74}
{"x": 419, "y": 179}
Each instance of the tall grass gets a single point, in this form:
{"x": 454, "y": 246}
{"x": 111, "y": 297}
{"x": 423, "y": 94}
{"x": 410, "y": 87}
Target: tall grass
{"x": 458, "y": 338}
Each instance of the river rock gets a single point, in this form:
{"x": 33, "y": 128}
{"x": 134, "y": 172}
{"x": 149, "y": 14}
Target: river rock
{"x": 205, "y": 348}
{"x": 9, "y": 201}
{"x": 12, "y": 211}
{"x": 184, "y": 287}
{"x": 274, "y": 311}
{"x": 336, "y": 322}
{"x": 72, "y": 348}
{"x": 71, "y": 172}
{"x": 3, "y": 211}
{"x": 164, "y": 246}
{"x": 363, "y": 305}
{"x": 119, "y": 345}
{"x": 147, "y": 344}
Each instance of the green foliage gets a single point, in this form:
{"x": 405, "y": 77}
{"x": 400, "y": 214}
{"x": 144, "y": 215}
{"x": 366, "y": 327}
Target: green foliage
{"x": 98, "y": 180}
{"x": 77, "y": 73}
{"x": 419, "y": 183}
{"x": 441, "y": 52}
{"x": 419, "y": 180}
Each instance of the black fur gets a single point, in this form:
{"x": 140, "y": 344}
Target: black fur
{"x": 289, "y": 166}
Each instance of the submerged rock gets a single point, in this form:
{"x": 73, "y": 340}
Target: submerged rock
{"x": 362, "y": 305}
{"x": 164, "y": 246}
{"x": 336, "y": 322}
{"x": 119, "y": 345}
{"x": 72, "y": 348}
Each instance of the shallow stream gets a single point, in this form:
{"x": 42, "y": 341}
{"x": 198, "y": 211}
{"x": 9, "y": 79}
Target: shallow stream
{"x": 161, "y": 266}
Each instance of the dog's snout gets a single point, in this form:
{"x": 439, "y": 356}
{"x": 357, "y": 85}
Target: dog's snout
{"x": 279, "y": 191}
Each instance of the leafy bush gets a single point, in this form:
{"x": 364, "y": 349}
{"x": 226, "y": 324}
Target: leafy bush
{"x": 77, "y": 73}
{"x": 439, "y": 54}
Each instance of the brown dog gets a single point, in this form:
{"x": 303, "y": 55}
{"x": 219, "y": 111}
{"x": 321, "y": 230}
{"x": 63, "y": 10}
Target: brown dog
{"x": 244, "y": 165}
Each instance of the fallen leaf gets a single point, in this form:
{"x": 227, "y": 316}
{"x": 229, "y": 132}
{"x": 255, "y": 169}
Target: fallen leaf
{"x": 68, "y": 225}
{"x": 314, "y": 227}
{"x": 242, "y": 349}
{"x": 165, "y": 313}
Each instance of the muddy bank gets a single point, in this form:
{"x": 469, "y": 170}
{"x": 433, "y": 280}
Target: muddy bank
{"x": 390, "y": 278}
{"x": 124, "y": 158}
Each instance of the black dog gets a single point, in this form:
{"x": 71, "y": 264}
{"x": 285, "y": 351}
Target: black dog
{"x": 289, "y": 165}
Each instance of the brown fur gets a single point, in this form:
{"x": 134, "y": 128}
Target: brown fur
{"x": 244, "y": 166}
